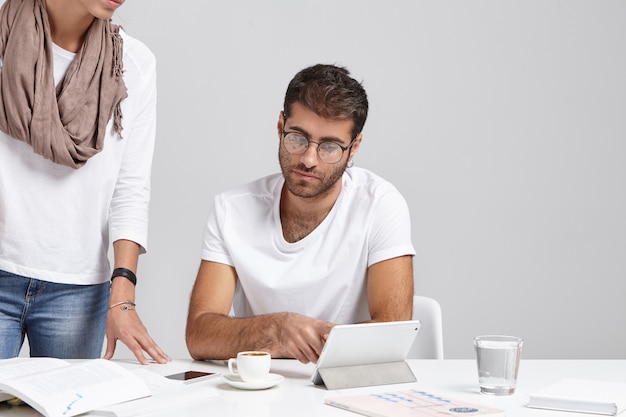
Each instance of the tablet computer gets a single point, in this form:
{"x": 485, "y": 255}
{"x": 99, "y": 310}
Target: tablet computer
{"x": 366, "y": 343}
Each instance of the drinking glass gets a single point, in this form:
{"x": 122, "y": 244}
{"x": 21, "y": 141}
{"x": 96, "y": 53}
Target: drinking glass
{"x": 497, "y": 358}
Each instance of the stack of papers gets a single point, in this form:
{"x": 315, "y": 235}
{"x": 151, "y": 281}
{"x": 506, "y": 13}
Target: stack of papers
{"x": 584, "y": 396}
{"x": 167, "y": 396}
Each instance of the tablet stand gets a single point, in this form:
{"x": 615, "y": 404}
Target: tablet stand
{"x": 354, "y": 376}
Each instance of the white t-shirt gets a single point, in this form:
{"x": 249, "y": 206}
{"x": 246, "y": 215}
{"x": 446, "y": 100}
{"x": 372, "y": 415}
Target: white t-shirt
{"x": 322, "y": 275}
{"x": 56, "y": 222}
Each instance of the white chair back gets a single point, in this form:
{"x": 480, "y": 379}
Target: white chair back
{"x": 429, "y": 341}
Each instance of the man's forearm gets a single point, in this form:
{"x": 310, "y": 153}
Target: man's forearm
{"x": 216, "y": 336}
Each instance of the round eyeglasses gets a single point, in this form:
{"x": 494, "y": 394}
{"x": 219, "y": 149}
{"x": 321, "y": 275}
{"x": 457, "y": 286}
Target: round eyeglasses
{"x": 328, "y": 152}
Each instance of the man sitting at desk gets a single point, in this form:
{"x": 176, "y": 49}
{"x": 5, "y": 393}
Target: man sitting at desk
{"x": 320, "y": 243}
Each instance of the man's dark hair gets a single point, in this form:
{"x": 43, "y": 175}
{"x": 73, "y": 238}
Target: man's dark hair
{"x": 331, "y": 93}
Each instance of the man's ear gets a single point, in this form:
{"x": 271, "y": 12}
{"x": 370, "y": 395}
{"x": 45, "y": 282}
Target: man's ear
{"x": 356, "y": 145}
{"x": 281, "y": 124}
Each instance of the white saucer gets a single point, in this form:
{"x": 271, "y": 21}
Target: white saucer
{"x": 270, "y": 381}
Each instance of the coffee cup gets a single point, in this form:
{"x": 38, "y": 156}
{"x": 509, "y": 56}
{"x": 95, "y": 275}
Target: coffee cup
{"x": 251, "y": 366}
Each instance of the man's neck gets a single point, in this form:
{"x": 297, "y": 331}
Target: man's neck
{"x": 300, "y": 216}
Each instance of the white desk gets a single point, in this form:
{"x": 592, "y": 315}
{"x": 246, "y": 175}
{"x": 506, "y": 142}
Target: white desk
{"x": 296, "y": 396}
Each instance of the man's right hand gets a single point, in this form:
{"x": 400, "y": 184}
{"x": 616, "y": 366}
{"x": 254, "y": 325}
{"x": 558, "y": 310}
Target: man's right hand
{"x": 299, "y": 337}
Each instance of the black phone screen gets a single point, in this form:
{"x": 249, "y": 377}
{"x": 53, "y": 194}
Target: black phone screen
{"x": 186, "y": 376}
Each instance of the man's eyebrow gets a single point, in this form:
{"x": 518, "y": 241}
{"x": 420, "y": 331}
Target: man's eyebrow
{"x": 308, "y": 135}
{"x": 298, "y": 129}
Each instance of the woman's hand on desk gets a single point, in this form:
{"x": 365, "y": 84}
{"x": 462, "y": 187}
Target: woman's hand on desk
{"x": 125, "y": 325}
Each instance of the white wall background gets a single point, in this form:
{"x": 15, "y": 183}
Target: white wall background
{"x": 502, "y": 122}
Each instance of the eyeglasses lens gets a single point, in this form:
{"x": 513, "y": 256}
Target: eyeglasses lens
{"x": 328, "y": 152}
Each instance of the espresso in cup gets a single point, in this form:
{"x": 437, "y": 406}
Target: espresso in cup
{"x": 251, "y": 366}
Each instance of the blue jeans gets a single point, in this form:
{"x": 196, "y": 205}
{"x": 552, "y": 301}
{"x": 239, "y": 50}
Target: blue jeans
{"x": 60, "y": 320}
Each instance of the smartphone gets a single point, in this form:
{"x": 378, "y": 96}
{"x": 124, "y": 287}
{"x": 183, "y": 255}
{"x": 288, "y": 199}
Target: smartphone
{"x": 192, "y": 376}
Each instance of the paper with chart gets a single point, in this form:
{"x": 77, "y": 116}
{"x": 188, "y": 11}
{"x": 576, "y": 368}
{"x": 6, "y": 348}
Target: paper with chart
{"x": 409, "y": 403}
{"x": 58, "y": 388}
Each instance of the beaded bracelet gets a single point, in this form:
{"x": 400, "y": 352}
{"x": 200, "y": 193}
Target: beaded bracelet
{"x": 124, "y": 305}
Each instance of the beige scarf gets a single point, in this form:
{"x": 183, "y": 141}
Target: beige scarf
{"x": 67, "y": 123}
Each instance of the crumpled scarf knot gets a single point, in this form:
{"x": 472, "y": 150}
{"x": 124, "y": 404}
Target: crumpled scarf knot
{"x": 65, "y": 123}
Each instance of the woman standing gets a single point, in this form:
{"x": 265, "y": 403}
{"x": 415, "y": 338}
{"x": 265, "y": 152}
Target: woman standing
{"x": 77, "y": 128}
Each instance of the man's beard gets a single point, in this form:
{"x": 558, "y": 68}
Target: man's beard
{"x": 303, "y": 189}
